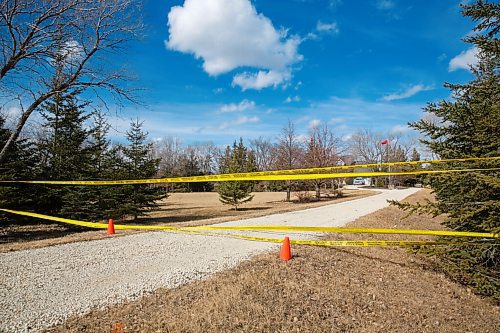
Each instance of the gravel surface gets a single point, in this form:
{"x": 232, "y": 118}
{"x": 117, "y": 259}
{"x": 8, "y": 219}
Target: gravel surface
{"x": 43, "y": 287}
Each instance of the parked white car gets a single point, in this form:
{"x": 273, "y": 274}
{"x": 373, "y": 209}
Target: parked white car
{"x": 359, "y": 181}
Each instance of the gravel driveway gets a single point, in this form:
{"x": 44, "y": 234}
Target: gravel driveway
{"x": 42, "y": 287}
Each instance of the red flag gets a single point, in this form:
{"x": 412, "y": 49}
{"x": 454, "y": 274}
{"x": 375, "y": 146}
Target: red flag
{"x": 385, "y": 142}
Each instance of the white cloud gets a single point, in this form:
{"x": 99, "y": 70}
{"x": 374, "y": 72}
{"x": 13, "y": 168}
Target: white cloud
{"x": 337, "y": 120}
{"x": 363, "y": 114}
{"x": 192, "y": 122}
{"x": 314, "y": 123}
{"x": 333, "y": 4}
{"x": 291, "y": 99}
{"x": 239, "y": 121}
{"x": 241, "y": 106}
{"x": 10, "y": 112}
{"x": 347, "y": 137}
{"x": 411, "y": 91}
{"x": 464, "y": 60}
{"x": 327, "y": 27}
{"x": 311, "y": 36}
{"x": 400, "y": 129}
{"x": 71, "y": 51}
{"x": 302, "y": 138}
{"x": 261, "y": 79}
{"x": 385, "y": 4}
{"x": 228, "y": 34}
{"x": 442, "y": 56}
{"x": 302, "y": 119}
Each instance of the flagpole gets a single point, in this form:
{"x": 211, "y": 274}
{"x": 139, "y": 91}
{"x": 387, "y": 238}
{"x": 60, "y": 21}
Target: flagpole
{"x": 389, "y": 166}
{"x": 386, "y": 143}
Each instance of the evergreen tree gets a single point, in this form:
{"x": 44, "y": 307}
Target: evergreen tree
{"x": 236, "y": 160}
{"x": 468, "y": 126}
{"x": 139, "y": 164}
{"x": 65, "y": 155}
{"x": 414, "y": 179}
{"x": 96, "y": 203}
{"x": 114, "y": 199}
{"x": 397, "y": 154}
{"x": 415, "y": 155}
{"x": 65, "y": 149}
{"x": 99, "y": 147}
{"x": 20, "y": 163}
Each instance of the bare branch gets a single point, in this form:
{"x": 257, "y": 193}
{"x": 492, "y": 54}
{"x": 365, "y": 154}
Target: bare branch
{"x": 35, "y": 35}
{"x": 322, "y": 151}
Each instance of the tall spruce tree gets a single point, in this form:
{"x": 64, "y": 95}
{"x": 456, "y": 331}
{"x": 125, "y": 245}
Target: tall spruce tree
{"x": 96, "y": 203}
{"x": 65, "y": 154}
{"x": 469, "y": 126}
{"x": 99, "y": 146}
{"x": 236, "y": 160}
{"x": 139, "y": 164}
{"x": 65, "y": 144}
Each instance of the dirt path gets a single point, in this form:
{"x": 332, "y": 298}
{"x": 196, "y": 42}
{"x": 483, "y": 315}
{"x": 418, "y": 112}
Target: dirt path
{"x": 42, "y": 287}
{"x": 320, "y": 290}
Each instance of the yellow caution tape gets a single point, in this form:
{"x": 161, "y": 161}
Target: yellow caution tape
{"x": 94, "y": 225}
{"x": 368, "y": 243}
{"x": 352, "y": 230}
{"x": 363, "y": 166}
{"x": 241, "y": 177}
{"x": 258, "y": 228}
{"x": 351, "y": 243}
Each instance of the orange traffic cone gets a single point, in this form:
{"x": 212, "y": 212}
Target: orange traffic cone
{"x": 285, "y": 253}
{"x": 111, "y": 227}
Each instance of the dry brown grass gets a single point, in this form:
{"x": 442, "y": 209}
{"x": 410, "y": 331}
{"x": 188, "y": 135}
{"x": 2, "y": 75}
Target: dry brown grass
{"x": 180, "y": 209}
{"x": 319, "y": 290}
{"x": 187, "y": 209}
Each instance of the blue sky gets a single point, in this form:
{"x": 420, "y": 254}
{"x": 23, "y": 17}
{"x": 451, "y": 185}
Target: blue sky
{"x": 215, "y": 70}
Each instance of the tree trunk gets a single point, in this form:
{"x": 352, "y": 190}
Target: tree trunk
{"x": 318, "y": 191}
{"x": 288, "y": 190}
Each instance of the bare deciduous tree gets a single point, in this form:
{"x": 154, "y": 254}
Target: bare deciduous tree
{"x": 169, "y": 151}
{"x": 289, "y": 152}
{"x": 366, "y": 147}
{"x": 265, "y": 153}
{"x": 206, "y": 153}
{"x": 81, "y": 33}
{"x": 322, "y": 150}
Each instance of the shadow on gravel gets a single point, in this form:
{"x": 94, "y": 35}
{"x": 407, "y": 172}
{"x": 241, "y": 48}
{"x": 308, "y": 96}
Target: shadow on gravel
{"x": 250, "y": 209}
{"x": 24, "y": 232}
{"x": 168, "y": 219}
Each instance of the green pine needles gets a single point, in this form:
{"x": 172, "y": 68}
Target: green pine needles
{"x": 236, "y": 160}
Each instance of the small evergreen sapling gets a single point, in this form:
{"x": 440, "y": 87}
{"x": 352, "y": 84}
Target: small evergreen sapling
{"x": 236, "y": 160}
